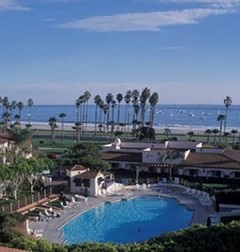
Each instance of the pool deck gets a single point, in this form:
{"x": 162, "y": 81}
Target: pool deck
{"x": 51, "y": 229}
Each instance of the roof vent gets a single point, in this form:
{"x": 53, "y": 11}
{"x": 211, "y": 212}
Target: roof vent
{"x": 117, "y": 142}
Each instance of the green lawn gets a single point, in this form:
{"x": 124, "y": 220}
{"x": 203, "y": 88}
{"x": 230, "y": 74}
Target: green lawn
{"x": 42, "y": 139}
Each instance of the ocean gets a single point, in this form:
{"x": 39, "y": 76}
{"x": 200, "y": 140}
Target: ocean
{"x": 170, "y": 116}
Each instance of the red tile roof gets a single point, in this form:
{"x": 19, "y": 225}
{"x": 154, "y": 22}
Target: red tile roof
{"x": 232, "y": 154}
{"x": 121, "y": 156}
{"x": 87, "y": 175}
{"x": 77, "y": 167}
{"x": 211, "y": 160}
{"x": 4, "y": 138}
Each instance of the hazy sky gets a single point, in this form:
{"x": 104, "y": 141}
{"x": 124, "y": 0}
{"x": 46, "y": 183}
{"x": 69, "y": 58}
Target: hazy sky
{"x": 186, "y": 50}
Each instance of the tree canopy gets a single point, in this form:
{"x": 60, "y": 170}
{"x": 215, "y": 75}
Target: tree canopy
{"x": 86, "y": 154}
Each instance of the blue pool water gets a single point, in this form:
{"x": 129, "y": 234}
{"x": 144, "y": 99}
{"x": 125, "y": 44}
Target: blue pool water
{"x": 127, "y": 221}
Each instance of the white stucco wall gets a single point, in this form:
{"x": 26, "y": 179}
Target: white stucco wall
{"x": 93, "y": 190}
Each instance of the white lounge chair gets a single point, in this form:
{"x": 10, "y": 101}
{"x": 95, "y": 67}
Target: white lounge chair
{"x": 144, "y": 187}
{"x": 188, "y": 190}
{"x": 36, "y": 233}
{"x": 205, "y": 200}
{"x": 191, "y": 191}
{"x": 64, "y": 206}
{"x": 196, "y": 193}
{"x": 74, "y": 202}
{"x": 42, "y": 217}
{"x": 137, "y": 187}
{"x": 80, "y": 198}
{"x": 48, "y": 215}
{"x": 33, "y": 232}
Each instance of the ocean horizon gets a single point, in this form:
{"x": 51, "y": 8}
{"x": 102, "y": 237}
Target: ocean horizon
{"x": 189, "y": 116}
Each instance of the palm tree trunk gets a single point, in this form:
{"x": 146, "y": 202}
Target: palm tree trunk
{"x": 86, "y": 117}
{"x": 118, "y": 117}
{"x": 220, "y": 140}
{"x": 62, "y": 130}
{"x": 96, "y": 115}
{"x": 125, "y": 119}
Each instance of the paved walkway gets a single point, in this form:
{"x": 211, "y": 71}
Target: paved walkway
{"x": 52, "y": 228}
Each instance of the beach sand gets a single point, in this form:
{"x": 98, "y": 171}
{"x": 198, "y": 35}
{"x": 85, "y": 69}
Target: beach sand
{"x": 158, "y": 129}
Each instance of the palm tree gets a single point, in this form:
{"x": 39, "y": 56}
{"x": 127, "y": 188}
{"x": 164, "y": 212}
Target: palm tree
{"x": 62, "y": 116}
{"x": 208, "y": 132}
{"x": 100, "y": 127}
{"x": 190, "y": 134}
{"x": 122, "y": 125}
{"x": 119, "y": 100}
{"x": 97, "y": 100}
{"x": 167, "y": 131}
{"x": 215, "y": 132}
{"x": 134, "y": 125}
{"x": 78, "y": 104}
{"x": 101, "y": 107}
{"x": 136, "y": 107}
{"x": 77, "y": 127}
{"x": 153, "y": 100}
{"x": 109, "y": 98}
{"x": 105, "y": 109}
{"x": 6, "y": 114}
{"x": 127, "y": 99}
{"x": 5, "y": 103}
{"x": 135, "y": 96}
{"x": 226, "y": 135}
{"x": 234, "y": 132}
{"x": 143, "y": 101}
{"x": 220, "y": 119}
{"x": 12, "y": 107}
{"x": 52, "y": 122}
{"x": 17, "y": 119}
{"x": 170, "y": 157}
{"x": 227, "y": 102}
{"x": 20, "y": 108}
{"x": 30, "y": 104}
{"x": 87, "y": 96}
{"x": 113, "y": 106}
{"x": 81, "y": 109}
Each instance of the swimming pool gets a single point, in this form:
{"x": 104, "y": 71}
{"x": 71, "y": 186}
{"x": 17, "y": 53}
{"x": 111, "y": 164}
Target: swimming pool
{"x": 127, "y": 221}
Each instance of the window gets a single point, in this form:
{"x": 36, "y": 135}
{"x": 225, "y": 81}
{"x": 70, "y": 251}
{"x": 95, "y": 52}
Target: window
{"x": 193, "y": 172}
{"x": 86, "y": 182}
{"x": 82, "y": 182}
{"x": 115, "y": 165}
{"x": 216, "y": 174}
{"x": 77, "y": 181}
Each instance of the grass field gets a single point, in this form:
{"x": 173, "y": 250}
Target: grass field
{"x": 42, "y": 139}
